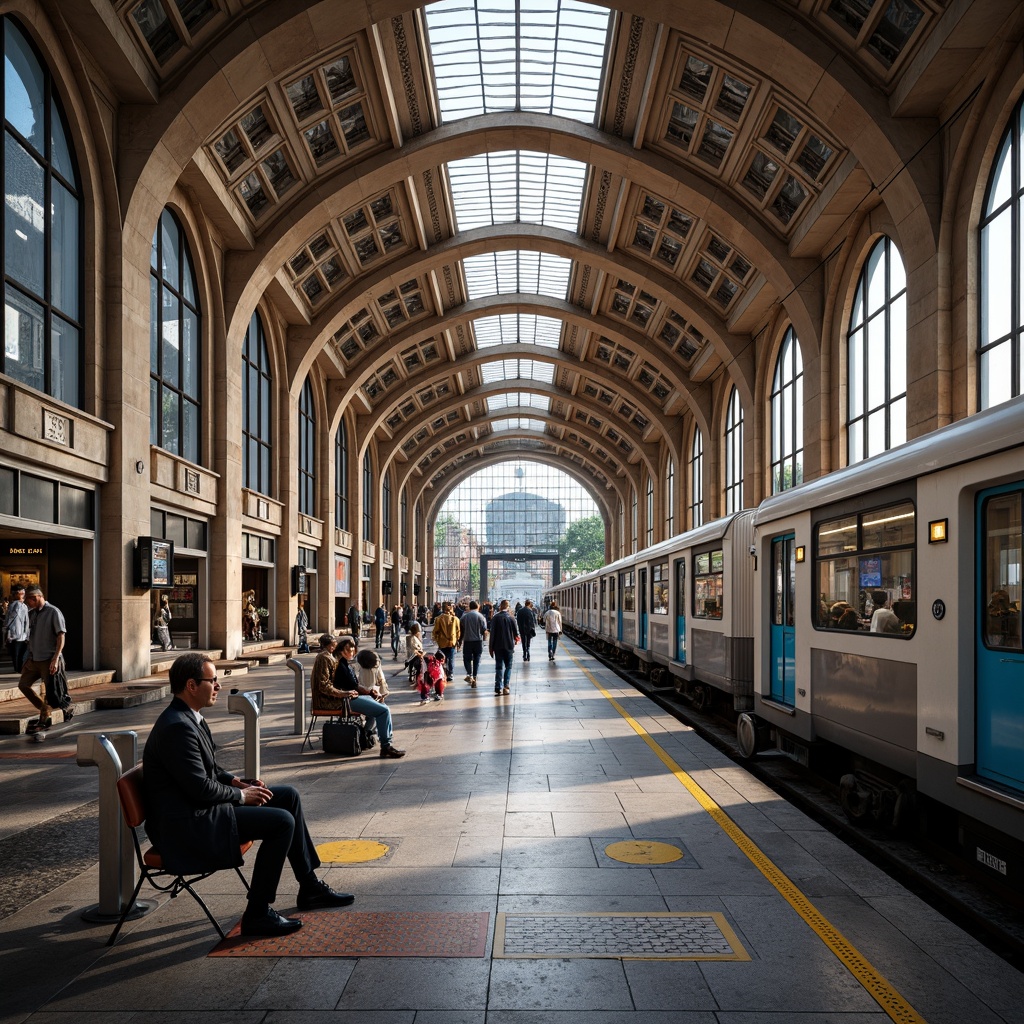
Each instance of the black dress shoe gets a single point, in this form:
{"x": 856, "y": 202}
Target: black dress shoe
{"x": 268, "y": 924}
{"x": 321, "y": 895}
{"x": 391, "y": 752}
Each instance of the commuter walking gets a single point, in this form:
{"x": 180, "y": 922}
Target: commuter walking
{"x": 396, "y": 629}
{"x": 446, "y": 635}
{"x": 553, "y": 628}
{"x": 354, "y": 620}
{"x": 380, "y": 621}
{"x": 16, "y": 627}
{"x": 526, "y": 619}
{"x": 46, "y": 632}
{"x": 502, "y": 645}
{"x": 474, "y": 629}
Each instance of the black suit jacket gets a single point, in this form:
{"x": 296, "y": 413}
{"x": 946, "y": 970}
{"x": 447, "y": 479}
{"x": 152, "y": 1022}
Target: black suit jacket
{"x": 190, "y": 802}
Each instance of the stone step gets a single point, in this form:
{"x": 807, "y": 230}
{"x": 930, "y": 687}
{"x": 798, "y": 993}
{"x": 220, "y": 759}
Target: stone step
{"x": 76, "y": 681}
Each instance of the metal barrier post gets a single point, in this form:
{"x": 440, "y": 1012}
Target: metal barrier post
{"x": 249, "y": 705}
{"x": 299, "y": 719}
{"x": 112, "y": 753}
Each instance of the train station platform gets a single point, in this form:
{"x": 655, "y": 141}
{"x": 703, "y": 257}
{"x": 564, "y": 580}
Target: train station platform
{"x": 568, "y": 853}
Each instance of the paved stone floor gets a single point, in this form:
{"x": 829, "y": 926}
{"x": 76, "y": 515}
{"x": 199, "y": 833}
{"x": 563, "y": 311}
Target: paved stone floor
{"x": 504, "y": 805}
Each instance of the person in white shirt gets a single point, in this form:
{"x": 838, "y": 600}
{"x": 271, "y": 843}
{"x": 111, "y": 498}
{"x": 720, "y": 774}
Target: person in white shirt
{"x": 553, "y": 628}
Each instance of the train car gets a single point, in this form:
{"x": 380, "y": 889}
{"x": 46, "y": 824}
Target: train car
{"x": 888, "y": 609}
{"x": 682, "y": 609}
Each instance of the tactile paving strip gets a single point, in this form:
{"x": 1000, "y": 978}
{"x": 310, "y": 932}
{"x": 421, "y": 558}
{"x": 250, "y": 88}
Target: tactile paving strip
{"x": 354, "y": 933}
{"x": 621, "y": 936}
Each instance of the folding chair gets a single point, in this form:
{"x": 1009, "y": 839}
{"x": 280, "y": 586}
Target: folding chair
{"x": 151, "y": 868}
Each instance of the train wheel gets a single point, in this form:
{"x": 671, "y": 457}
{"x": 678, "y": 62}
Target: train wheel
{"x": 747, "y": 735}
{"x": 854, "y": 799}
{"x": 701, "y": 697}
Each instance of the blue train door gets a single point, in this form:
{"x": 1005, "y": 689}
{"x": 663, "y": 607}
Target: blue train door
{"x": 1000, "y": 659}
{"x": 681, "y": 610}
{"x": 642, "y": 639}
{"x": 783, "y": 617}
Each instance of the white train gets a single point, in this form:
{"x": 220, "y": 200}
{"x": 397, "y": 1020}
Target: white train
{"x": 870, "y": 619}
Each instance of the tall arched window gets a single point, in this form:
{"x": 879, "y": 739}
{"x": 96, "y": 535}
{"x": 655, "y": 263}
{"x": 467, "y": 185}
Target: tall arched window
{"x": 1000, "y": 359}
{"x": 697, "y": 479}
{"x": 670, "y": 498}
{"x": 174, "y": 351}
{"x": 341, "y": 477}
{"x": 256, "y": 421}
{"x": 367, "y": 497}
{"x": 787, "y": 405}
{"x": 650, "y": 511}
{"x": 403, "y": 525}
{"x": 42, "y": 236}
{"x": 734, "y": 454}
{"x": 635, "y": 516}
{"x": 385, "y": 511}
{"x": 876, "y": 369}
{"x": 307, "y": 451}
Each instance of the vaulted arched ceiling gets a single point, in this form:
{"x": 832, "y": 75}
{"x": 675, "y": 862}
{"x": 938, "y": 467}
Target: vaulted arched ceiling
{"x": 415, "y": 237}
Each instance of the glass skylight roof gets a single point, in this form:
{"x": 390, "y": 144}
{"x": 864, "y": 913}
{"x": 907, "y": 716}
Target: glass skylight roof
{"x": 501, "y": 273}
{"x": 517, "y": 369}
{"x": 536, "y": 55}
{"x": 518, "y": 423}
{"x": 517, "y": 328}
{"x": 517, "y": 187}
{"x": 518, "y": 400}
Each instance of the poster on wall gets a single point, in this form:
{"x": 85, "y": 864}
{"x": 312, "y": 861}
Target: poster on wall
{"x": 342, "y": 576}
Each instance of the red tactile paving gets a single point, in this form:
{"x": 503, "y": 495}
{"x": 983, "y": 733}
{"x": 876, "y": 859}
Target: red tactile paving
{"x": 354, "y": 933}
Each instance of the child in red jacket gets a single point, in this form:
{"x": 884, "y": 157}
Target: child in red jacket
{"x": 432, "y": 677}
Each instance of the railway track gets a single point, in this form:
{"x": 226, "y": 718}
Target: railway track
{"x": 930, "y": 871}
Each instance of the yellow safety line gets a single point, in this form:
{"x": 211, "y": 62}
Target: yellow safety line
{"x": 880, "y": 990}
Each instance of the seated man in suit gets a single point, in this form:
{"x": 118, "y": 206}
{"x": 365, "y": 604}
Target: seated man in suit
{"x": 197, "y": 814}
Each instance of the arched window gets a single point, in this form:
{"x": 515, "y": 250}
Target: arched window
{"x": 697, "y": 479}
{"x": 256, "y": 421}
{"x": 876, "y": 369}
{"x": 670, "y": 498}
{"x": 787, "y": 405}
{"x": 307, "y": 451}
{"x": 650, "y": 511}
{"x": 403, "y": 525}
{"x": 1001, "y": 330}
{"x": 367, "y": 497}
{"x": 734, "y": 454}
{"x": 385, "y": 511}
{"x": 635, "y": 518}
{"x": 174, "y": 351}
{"x": 341, "y": 477}
{"x": 42, "y": 235}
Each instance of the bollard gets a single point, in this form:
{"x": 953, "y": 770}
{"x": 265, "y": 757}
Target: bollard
{"x": 112, "y": 753}
{"x": 299, "y": 720}
{"x": 249, "y": 704}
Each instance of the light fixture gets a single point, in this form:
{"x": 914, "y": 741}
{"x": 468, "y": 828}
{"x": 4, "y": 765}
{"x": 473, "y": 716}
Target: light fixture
{"x": 800, "y": 553}
{"x": 937, "y": 531}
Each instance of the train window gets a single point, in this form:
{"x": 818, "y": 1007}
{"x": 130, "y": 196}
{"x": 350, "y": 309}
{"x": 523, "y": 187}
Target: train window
{"x": 659, "y": 589}
{"x": 628, "y": 582}
{"x": 708, "y": 585}
{"x": 865, "y": 571}
{"x": 604, "y": 593}
{"x": 1002, "y": 525}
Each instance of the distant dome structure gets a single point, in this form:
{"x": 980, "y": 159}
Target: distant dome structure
{"x": 523, "y": 521}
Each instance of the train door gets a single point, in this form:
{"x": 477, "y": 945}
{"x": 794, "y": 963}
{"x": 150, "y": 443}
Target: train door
{"x": 681, "y": 610}
{"x": 618, "y": 616}
{"x": 1000, "y": 659}
{"x": 642, "y": 639}
{"x": 783, "y": 618}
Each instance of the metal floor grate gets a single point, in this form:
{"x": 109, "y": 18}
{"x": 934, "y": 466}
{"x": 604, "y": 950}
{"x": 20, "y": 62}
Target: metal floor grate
{"x": 654, "y": 936}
